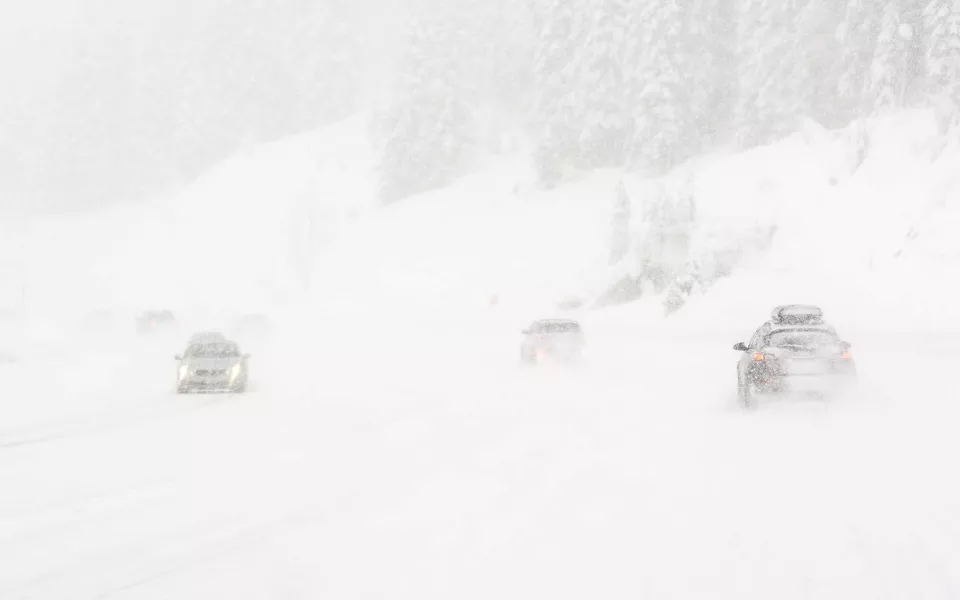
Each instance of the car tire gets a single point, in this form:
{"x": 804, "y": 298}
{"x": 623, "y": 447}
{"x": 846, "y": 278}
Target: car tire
{"x": 746, "y": 398}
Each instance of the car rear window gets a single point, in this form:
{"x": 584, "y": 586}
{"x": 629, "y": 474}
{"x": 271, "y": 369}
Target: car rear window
{"x": 213, "y": 350}
{"x": 557, "y": 328}
{"x": 801, "y": 338}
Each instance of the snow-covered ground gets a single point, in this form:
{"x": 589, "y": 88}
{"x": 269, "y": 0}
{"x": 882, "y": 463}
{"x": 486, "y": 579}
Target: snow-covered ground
{"x": 391, "y": 447}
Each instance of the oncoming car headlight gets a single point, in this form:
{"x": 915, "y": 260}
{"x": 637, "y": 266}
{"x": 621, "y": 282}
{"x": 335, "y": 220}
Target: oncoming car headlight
{"x": 234, "y": 371}
{"x": 184, "y": 370}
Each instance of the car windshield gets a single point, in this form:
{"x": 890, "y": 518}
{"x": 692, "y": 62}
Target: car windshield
{"x": 556, "y": 328}
{"x": 213, "y": 350}
{"x": 801, "y": 339}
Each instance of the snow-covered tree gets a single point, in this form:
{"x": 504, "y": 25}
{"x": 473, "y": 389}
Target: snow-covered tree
{"x": 814, "y": 68}
{"x": 942, "y": 26}
{"x": 712, "y": 70}
{"x": 620, "y": 235}
{"x": 605, "y": 99}
{"x": 913, "y": 35}
{"x": 857, "y": 34}
{"x": 498, "y": 58}
{"x": 665, "y": 235}
{"x": 426, "y": 127}
{"x": 559, "y": 108}
{"x": 888, "y": 68}
{"x": 659, "y": 94}
{"x": 787, "y": 66}
{"x": 760, "y": 45}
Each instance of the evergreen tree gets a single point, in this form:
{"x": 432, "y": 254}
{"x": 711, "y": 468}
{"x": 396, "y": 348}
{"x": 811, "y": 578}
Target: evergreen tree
{"x": 712, "y": 73}
{"x": 888, "y": 69}
{"x": 857, "y": 35}
{"x": 499, "y": 76}
{"x": 558, "y": 104}
{"x": 607, "y": 127}
{"x": 426, "y": 126}
{"x": 942, "y": 24}
{"x": 913, "y": 38}
{"x": 787, "y": 90}
{"x": 660, "y": 98}
{"x": 816, "y": 73}
{"x": 759, "y": 45}
{"x": 620, "y": 238}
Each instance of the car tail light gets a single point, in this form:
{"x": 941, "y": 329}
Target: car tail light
{"x": 758, "y": 356}
{"x": 846, "y": 355}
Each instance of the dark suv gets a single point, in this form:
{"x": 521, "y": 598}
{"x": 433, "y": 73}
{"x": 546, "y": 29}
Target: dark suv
{"x": 795, "y": 351}
{"x": 155, "y": 320}
{"x": 555, "y": 339}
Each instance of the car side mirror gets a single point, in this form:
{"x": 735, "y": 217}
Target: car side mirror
{"x": 845, "y": 345}
{"x": 525, "y": 332}
{"x": 246, "y": 356}
{"x": 177, "y": 357}
{"x": 740, "y": 347}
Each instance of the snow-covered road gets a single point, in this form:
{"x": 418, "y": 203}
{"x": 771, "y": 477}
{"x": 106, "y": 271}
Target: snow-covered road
{"x": 427, "y": 464}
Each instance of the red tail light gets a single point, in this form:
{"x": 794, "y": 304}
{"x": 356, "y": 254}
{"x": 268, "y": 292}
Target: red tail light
{"x": 758, "y": 356}
{"x": 846, "y": 355}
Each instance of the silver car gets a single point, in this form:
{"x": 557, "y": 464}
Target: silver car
{"x": 212, "y": 366}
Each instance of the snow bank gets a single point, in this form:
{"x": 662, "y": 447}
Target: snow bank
{"x": 237, "y": 239}
{"x": 858, "y": 221}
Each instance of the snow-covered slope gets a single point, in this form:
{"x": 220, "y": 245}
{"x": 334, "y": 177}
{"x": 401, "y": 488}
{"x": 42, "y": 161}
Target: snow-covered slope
{"x": 236, "y": 239}
{"x": 392, "y": 448}
{"x": 872, "y": 242}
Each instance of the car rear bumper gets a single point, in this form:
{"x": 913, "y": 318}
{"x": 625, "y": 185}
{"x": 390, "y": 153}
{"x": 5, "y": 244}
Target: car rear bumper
{"x": 808, "y": 384}
{"x": 556, "y": 354}
{"x": 207, "y": 385}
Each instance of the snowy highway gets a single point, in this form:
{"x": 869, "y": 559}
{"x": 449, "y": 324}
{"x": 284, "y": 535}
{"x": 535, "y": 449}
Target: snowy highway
{"x": 440, "y": 469}
{"x": 372, "y": 220}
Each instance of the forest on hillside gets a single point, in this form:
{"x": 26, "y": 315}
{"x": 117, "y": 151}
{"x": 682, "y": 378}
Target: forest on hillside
{"x": 132, "y": 101}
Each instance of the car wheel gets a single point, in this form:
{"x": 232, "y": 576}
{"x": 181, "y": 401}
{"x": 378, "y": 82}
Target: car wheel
{"x": 239, "y": 387}
{"x": 746, "y": 396}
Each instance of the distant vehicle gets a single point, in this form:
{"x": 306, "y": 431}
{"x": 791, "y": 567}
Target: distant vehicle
{"x": 252, "y": 326}
{"x": 207, "y": 336}
{"x": 794, "y": 352}
{"x": 155, "y": 320}
{"x": 212, "y": 365}
{"x": 552, "y": 339}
